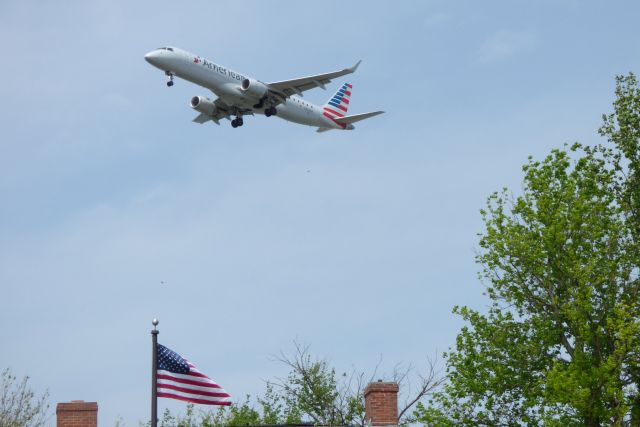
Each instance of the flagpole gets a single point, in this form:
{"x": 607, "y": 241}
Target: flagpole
{"x": 154, "y": 374}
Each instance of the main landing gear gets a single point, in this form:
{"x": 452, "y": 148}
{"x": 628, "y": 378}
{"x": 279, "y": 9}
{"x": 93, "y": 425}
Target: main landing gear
{"x": 271, "y": 111}
{"x": 170, "y": 78}
{"x": 260, "y": 103}
{"x": 237, "y": 122}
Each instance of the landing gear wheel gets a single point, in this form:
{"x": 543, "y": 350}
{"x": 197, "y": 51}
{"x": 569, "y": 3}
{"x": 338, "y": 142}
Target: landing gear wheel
{"x": 239, "y": 121}
{"x": 271, "y": 111}
{"x": 170, "y": 83}
{"x": 234, "y": 123}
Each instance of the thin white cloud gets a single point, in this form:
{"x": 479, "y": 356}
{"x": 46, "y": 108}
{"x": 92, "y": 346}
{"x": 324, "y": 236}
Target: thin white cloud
{"x": 504, "y": 44}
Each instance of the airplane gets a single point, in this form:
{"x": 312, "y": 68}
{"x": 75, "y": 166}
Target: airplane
{"x": 239, "y": 95}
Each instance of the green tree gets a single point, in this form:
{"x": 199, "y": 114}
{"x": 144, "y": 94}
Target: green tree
{"x": 19, "y": 405}
{"x": 560, "y": 342}
{"x": 318, "y": 393}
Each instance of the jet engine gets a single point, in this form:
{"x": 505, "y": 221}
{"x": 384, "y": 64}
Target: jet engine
{"x": 254, "y": 88}
{"x": 203, "y": 105}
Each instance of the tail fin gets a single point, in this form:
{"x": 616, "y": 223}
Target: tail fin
{"x": 339, "y": 103}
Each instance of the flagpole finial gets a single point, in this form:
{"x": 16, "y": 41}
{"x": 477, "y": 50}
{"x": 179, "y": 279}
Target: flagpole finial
{"x": 155, "y": 323}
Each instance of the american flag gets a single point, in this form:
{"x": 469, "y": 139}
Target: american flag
{"x": 179, "y": 379}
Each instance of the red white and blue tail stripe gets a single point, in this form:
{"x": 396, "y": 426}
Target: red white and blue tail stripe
{"x": 338, "y": 105}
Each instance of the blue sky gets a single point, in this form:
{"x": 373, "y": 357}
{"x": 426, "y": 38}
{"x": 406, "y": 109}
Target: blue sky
{"x": 108, "y": 189}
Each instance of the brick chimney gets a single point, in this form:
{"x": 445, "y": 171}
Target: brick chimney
{"x": 77, "y": 413}
{"x": 381, "y": 403}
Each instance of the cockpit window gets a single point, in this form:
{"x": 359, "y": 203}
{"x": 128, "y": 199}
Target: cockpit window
{"x": 165, "y": 48}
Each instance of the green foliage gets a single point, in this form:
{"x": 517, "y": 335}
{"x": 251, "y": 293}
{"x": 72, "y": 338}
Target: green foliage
{"x": 279, "y": 409}
{"x": 560, "y": 342}
{"x": 19, "y": 406}
{"x": 622, "y": 128}
{"x": 241, "y": 414}
{"x": 311, "y": 386}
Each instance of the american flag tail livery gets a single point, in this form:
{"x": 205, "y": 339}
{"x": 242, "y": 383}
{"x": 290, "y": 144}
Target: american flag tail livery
{"x": 338, "y": 105}
{"x": 177, "y": 378}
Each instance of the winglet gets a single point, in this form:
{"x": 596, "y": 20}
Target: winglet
{"x": 355, "y": 67}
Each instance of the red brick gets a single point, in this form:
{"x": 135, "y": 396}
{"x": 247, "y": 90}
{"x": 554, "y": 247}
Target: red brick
{"x": 77, "y": 414}
{"x": 381, "y": 403}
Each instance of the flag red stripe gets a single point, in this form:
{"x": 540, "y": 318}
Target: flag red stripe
{"x": 198, "y": 374}
{"x": 192, "y": 400}
{"x": 348, "y": 93}
{"x": 183, "y": 381}
{"x": 192, "y": 391}
{"x": 342, "y": 108}
{"x": 193, "y": 373}
{"x": 345, "y": 100}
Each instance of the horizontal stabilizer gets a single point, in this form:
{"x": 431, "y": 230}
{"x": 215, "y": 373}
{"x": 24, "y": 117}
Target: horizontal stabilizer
{"x": 322, "y": 129}
{"x": 347, "y": 120}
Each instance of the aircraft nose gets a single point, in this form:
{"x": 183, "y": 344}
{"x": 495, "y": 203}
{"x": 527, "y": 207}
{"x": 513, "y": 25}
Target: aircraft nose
{"x": 152, "y": 57}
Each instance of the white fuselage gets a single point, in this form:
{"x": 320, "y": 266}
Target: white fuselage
{"x": 226, "y": 84}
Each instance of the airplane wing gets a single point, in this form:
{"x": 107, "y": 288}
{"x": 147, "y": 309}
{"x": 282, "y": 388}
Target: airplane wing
{"x": 297, "y": 86}
{"x": 202, "y": 118}
{"x": 347, "y": 120}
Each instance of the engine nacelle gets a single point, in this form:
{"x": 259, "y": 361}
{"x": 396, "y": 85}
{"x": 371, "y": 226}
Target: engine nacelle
{"x": 254, "y": 88}
{"x": 203, "y": 105}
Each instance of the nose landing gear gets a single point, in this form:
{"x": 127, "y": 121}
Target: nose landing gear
{"x": 170, "y": 78}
